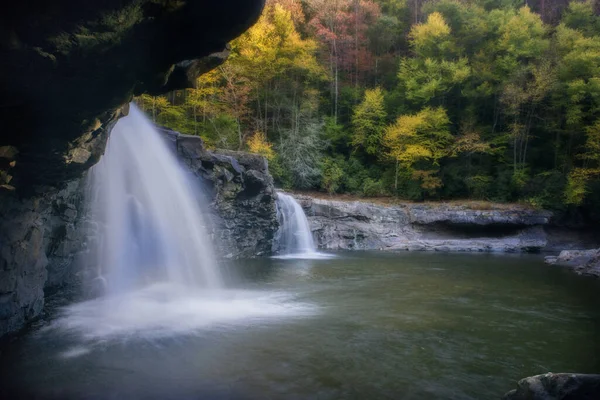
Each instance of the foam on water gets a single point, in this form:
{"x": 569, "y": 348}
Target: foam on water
{"x": 164, "y": 310}
{"x": 305, "y": 256}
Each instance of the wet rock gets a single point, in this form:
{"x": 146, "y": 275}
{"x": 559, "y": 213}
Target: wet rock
{"x": 557, "y": 387}
{"x": 242, "y": 196}
{"x": 39, "y": 239}
{"x": 584, "y": 262}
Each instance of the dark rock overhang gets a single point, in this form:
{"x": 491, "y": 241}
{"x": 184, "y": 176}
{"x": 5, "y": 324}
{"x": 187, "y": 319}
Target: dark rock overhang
{"x": 68, "y": 66}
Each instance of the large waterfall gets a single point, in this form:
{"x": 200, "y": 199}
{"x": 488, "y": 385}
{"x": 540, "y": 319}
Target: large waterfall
{"x": 294, "y": 238}
{"x": 152, "y": 226}
{"x": 152, "y": 252}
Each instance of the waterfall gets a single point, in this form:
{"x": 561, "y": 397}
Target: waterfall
{"x": 152, "y": 252}
{"x": 294, "y": 238}
{"x": 151, "y": 221}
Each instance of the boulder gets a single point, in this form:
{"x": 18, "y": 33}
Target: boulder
{"x": 584, "y": 262}
{"x": 557, "y": 387}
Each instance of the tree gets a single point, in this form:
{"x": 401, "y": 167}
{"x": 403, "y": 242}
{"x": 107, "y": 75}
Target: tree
{"x": 580, "y": 15}
{"x": 332, "y": 174}
{"x": 432, "y": 39}
{"x": 342, "y": 27}
{"x": 418, "y": 142}
{"x": 258, "y": 144}
{"x": 368, "y": 122}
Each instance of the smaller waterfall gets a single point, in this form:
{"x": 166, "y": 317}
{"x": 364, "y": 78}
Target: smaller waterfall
{"x": 294, "y": 238}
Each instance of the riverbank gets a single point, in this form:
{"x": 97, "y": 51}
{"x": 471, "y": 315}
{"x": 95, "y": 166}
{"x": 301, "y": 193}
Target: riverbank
{"x": 346, "y": 223}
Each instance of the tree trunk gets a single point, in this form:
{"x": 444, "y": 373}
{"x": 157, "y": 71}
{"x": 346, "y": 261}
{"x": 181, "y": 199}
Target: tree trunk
{"x": 336, "y": 82}
{"x": 396, "y": 178}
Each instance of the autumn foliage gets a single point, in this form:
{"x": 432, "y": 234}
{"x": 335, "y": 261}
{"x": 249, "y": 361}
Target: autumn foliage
{"x": 442, "y": 99}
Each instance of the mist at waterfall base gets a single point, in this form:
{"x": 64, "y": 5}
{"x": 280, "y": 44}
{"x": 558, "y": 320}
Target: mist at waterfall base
{"x": 153, "y": 254}
{"x": 294, "y": 238}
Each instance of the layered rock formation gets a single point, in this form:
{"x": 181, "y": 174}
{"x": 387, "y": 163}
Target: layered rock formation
{"x": 557, "y": 387}
{"x": 442, "y": 227}
{"x": 68, "y": 68}
{"x": 584, "y": 262}
{"x": 242, "y": 196}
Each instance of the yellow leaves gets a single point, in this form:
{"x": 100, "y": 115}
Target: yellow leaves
{"x": 273, "y": 46}
{"x": 368, "y": 121}
{"x": 408, "y": 153}
{"x": 433, "y": 39}
{"x": 426, "y": 36}
{"x": 258, "y": 144}
{"x": 592, "y": 144}
{"x": 418, "y": 137}
{"x": 429, "y": 181}
{"x": 524, "y": 35}
{"x": 577, "y": 182}
{"x": 470, "y": 142}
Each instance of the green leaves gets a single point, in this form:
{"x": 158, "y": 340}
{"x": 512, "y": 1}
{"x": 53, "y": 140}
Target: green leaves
{"x": 368, "y": 122}
{"x": 427, "y": 79}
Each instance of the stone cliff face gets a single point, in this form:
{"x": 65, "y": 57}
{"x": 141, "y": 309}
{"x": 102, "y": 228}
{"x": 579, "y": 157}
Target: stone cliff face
{"x": 39, "y": 239}
{"x": 68, "y": 68}
{"x": 241, "y": 194}
{"x": 367, "y": 226}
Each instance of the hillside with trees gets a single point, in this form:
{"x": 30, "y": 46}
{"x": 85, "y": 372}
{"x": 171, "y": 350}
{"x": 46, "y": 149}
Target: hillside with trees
{"x": 420, "y": 100}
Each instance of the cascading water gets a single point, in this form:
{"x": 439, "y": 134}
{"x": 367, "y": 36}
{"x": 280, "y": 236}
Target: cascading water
{"x": 294, "y": 238}
{"x": 153, "y": 252}
{"x": 151, "y": 223}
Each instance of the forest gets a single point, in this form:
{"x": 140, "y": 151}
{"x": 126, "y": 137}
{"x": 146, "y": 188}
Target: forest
{"x": 421, "y": 100}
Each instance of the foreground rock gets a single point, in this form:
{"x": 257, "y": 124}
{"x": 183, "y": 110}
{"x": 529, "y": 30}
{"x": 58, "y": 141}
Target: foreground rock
{"x": 557, "y": 387}
{"x": 439, "y": 227}
{"x": 584, "y": 262}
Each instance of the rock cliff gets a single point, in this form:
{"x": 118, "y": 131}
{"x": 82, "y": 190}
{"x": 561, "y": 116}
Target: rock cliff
{"x": 441, "y": 227}
{"x": 241, "y": 194}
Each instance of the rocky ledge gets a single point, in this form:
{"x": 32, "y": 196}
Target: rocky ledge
{"x": 348, "y": 225}
{"x": 557, "y": 387}
{"x": 584, "y": 262}
{"x": 241, "y": 195}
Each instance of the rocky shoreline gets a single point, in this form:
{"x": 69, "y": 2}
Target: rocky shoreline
{"x": 358, "y": 225}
